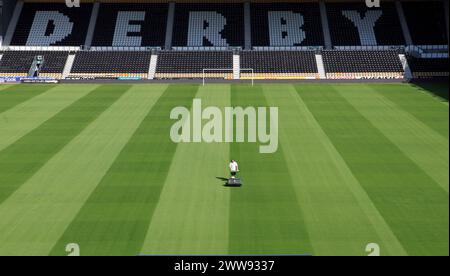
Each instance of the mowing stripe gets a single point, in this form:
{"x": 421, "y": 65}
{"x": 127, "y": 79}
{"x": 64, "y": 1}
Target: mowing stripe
{"x": 35, "y": 216}
{"x": 192, "y": 213}
{"x": 265, "y": 216}
{"x": 23, "y": 118}
{"x": 422, "y": 105}
{"x": 417, "y": 141}
{"x": 4, "y": 86}
{"x": 115, "y": 218}
{"x": 414, "y": 206}
{"x": 22, "y": 159}
{"x": 330, "y": 195}
{"x": 16, "y": 94}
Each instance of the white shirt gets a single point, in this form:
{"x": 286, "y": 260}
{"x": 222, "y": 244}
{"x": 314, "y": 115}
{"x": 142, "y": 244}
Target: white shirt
{"x": 234, "y": 166}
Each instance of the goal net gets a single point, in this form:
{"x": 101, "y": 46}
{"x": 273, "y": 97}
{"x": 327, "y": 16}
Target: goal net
{"x": 228, "y": 74}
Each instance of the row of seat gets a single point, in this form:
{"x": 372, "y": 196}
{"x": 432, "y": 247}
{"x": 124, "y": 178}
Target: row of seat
{"x": 429, "y": 67}
{"x": 279, "y": 61}
{"x": 189, "y": 62}
{"x": 254, "y": 64}
{"x": 19, "y": 62}
{"x": 365, "y": 76}
{"x": 362, "y": 61}
{"x": 108, "y": 75}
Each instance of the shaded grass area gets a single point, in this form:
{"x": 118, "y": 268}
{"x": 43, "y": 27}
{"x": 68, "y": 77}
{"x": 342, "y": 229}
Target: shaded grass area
{"x": 436, "y": 88}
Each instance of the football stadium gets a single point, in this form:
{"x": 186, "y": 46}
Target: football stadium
{"x": 119, "y": 118}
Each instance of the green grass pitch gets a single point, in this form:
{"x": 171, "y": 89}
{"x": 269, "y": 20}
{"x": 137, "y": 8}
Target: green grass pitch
{"x": 94, "y": 165}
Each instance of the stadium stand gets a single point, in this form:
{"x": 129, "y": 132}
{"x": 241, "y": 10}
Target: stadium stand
{"x": 286, "y": 24}
{"x": 426, "y": 21}
{"x": 208, "y": 25}
{"x": 1, "y": 23}
{"x": 282, "y": 40}
{"x": 428, "y": 67}
{"x": 52, "y": 24}
{"x": 190, "y": 64}
{"x": 280, "y": 64}
{"x": 362, "y": 64}
{"x": 355, "y": 24}
{"x": 111, "y": 64}
{"x": 18, "y": 63}
{"x": 131, "y": 25}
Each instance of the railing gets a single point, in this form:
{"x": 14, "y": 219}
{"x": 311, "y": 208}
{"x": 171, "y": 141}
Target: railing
{"x": 369, "y": 48}
{"x": 286, "y": 48}
{"x": 40, "y": 48}
{"x": 122, "y": 49}
{"x": 433, "y": 51}
{"x": 428, "y": 51}
{"x": 189, "y": 48}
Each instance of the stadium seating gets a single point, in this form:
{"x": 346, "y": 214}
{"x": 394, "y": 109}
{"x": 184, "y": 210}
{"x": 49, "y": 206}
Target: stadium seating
{"x": 428, "y": 67}
{"x": 284, "y": 39}
{"x": 109, "y": 64}
{"x": 376, "y": 26}
{"x": 190, "y": 64}
{"x": 208, "y": 25}
{"x": 18, "y": 63}
{"x": 131, "y": 25}
{"x": 286, "y": 24}
{"x": 426, "y": 21}
{"x": 42, "y": 24}
{"x": 362, "y": 64}
{"x": 280, "y": 64}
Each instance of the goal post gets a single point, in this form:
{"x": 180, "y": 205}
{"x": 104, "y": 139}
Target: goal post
{"x": 225, "y": 73}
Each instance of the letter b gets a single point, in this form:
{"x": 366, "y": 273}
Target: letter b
{"x": 285, "y": 28}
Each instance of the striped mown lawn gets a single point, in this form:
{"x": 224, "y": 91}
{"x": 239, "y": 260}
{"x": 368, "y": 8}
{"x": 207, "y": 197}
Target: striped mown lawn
{"x": 94, "y": 165}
